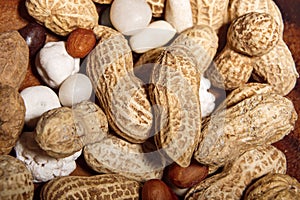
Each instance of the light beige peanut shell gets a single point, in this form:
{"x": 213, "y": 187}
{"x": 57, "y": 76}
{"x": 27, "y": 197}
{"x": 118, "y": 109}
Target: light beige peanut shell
{"x": 16, "y": 181}
{"x": 239, "y": 174}
{"x": 90, "y": 121}
{"x": 243, "y": 92}
{"x": 202, "y": 41}
{"x": 63, "y": 16}
{"x": 253, "y": 34}
{"x": 120, "y": 93}
{"x": 274, "y": 186}
{"x": 56, "y": 133}
{"x": 277, "y": 68}
{"x": 12, "y": 117}
{"x": 101, "y": 187}
{"x": 175, "y": 99}
{"x": 238, "y": 8}
{"x": 230, "y": 69}
{"x": 14, "y": 58}
{"x": 114, "y": 155}
{"x": 210, "y": 12}
{"x": 257, "y": 120}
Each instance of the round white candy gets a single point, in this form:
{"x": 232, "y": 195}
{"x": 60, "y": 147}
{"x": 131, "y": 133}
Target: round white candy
{"x": 157, "y": 34}
{"x": 130, "y": 16}
{"x": 37, "y": 100}
{"x": 75, "y": 89}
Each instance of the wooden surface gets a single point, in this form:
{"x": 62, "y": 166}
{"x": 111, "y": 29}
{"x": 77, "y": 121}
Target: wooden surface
{"x": 14, "y": 16}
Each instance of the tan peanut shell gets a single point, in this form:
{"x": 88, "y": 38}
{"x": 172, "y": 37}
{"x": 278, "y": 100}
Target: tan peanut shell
{"x": 230, "y": 69}
{"x": 56, "y": 134}
{"x": 114, "y": 155}
{"x": 202, "y": 41}
{"x": 91, "y": 122}
{"x": 212, "y": 13}
{"x": 120, "y": 93}
{"x": 239, "y": 174}
{"x": 101, "y": 187}
{"x": 277, "y": 68}
{"x": 64, "y": 16}
{"x": 16, "y": 181}
{"x": 257, "y": 120}
{"x": 274, "y": 186}
{"x": 253, "y": 34}
{"x": 12, "y": 116}
{"x": 175, "y": 99}
{"x": 238, "y": 8}
{"x": 14, "y": 58}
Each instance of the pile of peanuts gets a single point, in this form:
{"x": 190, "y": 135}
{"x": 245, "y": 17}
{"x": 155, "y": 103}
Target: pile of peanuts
{"x": 174, "y": 116}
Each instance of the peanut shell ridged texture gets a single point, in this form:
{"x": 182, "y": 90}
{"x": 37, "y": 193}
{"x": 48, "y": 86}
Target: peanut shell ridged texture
{"x": 14, "y": 58}
{"x": 15, "y": 179}
{"x": 277, "y": 68}
{"x": 91, "y": 122}
{"x": 64, "y": 16}
{"x": 253, "y": 34}
{"x": 114, "y": 155}
{"x": 239, "y": 174}
{"x": 175, "y": 98}
{"x": 210, "y": 12}
{"x": 237, "y": 8}
{"x": 157, "y": 7}
{"x": 202, "y": 41}
{"x": 274, "y": 186}
{"x": 56, "y": 133}
{"x": 260, "y": 119}
{"x": 120, "y": 92}
{"x": 12, "y": 116}
{"x": 243, "y": 92}
{"x": 230, "y": 69}
{"x": 101, "y": 187}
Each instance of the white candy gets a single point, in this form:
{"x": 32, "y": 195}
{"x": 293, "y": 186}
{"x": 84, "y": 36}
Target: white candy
{"x": 179, "y": 14}
{"x": 75, "y": 89}
{"x": 130, "y": 16}
{"x": 37, "y": 100}
{"x": 157, "y": 34}
{"x": 54, "y": 64}
{"x": 207, "y": 99}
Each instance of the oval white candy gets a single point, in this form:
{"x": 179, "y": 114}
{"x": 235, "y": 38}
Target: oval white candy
{"x": 130, "y": 16}
{"x": 37, "y": 100}
{"x": 157, "y": 34}
{"x": 75, "y": 89}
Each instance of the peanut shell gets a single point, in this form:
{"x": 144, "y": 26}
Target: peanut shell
{"x": 212, "y": 13}
{"x": 253, "y": 34}
{"x": 56, "y": 134}
{"x": 257, "y": 120}
{"x": 12, "y": 117}
{"x": 114, "y": 155}
{"x": 238, "y": 8}
{"x": 239, "y": 174}
{"x": 230, "y": 69}
{"x": 119, "y": 91}
{"x": 14, "y": 58}
{"x": 63, "y": 16}
{"x": 277, "y": 68}
{"x": 16, "y": 181}
{"x": 102, "y": 187}
{"x": 274, "y": 186}
{"x": 175, "y": 99}
{"x": 202, "y": 41}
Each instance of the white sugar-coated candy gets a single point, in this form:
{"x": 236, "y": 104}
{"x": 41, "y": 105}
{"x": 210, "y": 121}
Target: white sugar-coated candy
{"x": 130, "y": 16}
{"x": 37, "y": 100}
{"x": 157, "y": 34}
{"x": 75, "y": 89}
